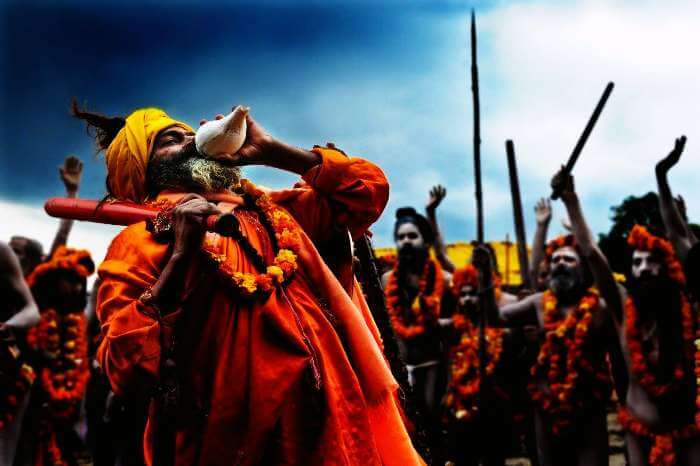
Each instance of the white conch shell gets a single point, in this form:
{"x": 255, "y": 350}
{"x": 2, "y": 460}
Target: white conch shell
{"x": 223, "y": 137}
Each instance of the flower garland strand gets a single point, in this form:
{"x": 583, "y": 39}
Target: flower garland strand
{"x": 64, "y": 378}
{"x": 462, "y": 393}
{"x": 640, "y": 365}
{"x": 425, "y": 308}
{"x": 15, "y": 384}
{"x": 286, "y": 238}
{"x": 663, "y": 450}
{"x": 563, "y": 361}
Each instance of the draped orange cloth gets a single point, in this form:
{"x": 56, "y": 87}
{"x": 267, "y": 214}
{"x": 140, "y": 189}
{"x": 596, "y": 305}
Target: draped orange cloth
{"x": 299, "y": 379}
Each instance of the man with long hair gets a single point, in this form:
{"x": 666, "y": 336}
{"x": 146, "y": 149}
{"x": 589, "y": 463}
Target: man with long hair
{"x": 268, "y": 356}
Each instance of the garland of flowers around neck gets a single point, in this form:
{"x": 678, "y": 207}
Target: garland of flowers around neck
{"x": 640, "y": 365}
{"x": 62, "y": 338}
{"x": 462, "y": 393}
{"x": 424, "y": 308}
{"x": 663, "y": 451}
{"x": 285, "y": 238}
{"x": 563, "y": 361}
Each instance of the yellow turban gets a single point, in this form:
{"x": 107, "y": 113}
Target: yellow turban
{"x": 127, "y": 155}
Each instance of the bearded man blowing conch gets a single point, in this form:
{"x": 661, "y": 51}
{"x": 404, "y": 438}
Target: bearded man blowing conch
{"x": 277, "y": 358}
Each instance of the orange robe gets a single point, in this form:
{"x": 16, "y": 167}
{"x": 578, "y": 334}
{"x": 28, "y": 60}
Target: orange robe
{"x": 297, "y": 380}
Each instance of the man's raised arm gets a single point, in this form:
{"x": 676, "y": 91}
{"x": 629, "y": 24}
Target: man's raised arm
{"x": 604, "y": 279}
{"x": 543, "y": 215}
{"x": 676, "y": 228}
{"x": 437, "y": 194}
{"x": 345, "y": 191}
{"x": 70, "y": 175}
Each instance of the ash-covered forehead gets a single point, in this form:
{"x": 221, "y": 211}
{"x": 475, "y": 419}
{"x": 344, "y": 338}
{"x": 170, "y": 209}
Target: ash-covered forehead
{"x": 408, "y": 227}
{"x": 566, "y": 251}
{"x": 651, "y": 256}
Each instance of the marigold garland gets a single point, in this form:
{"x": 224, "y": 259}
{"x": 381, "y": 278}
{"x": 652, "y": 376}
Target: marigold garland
{"x": 286, "y": 238}
{"x": 425, "y": 308}
{"x": 64, "y": 258}
{"x": 663, "y": 451}
{"x": 566, "y": 363}
{"x": 62, "y": 338}
{"x": 14, "y": 386}
{"x": 640, "y": 365}
{"x": 463, "y": 390}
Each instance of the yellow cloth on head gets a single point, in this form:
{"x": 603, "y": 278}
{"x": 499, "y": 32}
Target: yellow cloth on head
{"x": 127, "y": 156}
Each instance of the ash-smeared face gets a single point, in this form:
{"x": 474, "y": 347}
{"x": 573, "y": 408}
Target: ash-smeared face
{"x": 409, "y": 236}
{"x": 645, "y": 265}
{"x": 565, "y": 273}
{"x": 468, "y": 298}
{"x": 176, "y": 164}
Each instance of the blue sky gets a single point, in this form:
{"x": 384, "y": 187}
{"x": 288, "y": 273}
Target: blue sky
{"x": 388, "y": 82}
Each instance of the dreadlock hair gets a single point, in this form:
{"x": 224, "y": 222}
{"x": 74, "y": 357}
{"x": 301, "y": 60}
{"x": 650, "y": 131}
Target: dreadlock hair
{"x": 103, "y": 128}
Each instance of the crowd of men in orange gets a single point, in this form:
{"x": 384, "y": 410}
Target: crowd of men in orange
{"x": 261, "y": 348}
{"x": 552, "y": 357}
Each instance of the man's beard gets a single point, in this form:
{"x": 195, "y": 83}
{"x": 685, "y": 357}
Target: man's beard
{"x": 410, "y": 256}
{"x": 74, "y": 303}
{"x": 189, "y": 171}
{"x": 469, "y": 310}
{"x": 410, "y": 260}
{"x": 565, "y": 282}
{"x": 657, "y": 300}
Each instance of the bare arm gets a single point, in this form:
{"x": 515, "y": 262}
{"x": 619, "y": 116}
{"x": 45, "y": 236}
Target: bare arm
{"x": 437, "y": 194}
{"x": 520, "y": 313}
{"x": 11, "y": 274}
{"x": 677, "y": 229}
{"x": 70, "y": 175}
{"x": 600, "y": 269}
{"x": 543, "y": 215}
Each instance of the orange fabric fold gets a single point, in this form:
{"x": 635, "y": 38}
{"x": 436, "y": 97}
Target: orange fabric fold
{"x": 298, "y": 379}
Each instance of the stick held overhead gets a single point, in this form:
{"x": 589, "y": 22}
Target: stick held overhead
{"x": 586, "y": 132}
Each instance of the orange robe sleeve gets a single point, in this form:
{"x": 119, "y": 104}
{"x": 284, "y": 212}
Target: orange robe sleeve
{"x": 339, "y": 192}
{"x": 129, "y": 352}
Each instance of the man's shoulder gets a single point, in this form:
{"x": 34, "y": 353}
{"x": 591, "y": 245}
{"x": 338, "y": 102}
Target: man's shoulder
{"x": 386, "y": 276}
{"x": 6, "y": 256}
{"x": 131, "y": 239}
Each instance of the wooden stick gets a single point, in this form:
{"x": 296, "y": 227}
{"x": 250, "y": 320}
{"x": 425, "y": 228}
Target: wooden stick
{"x": 477, "y": 135}
{"x": 586, "y": 132}
{"x": 520, "y": 237}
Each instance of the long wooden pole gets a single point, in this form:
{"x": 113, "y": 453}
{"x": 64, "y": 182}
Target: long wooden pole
{"x": 479, "y": 209}
{"x": 520, "y": 238}
{"x": 477, "y": 135}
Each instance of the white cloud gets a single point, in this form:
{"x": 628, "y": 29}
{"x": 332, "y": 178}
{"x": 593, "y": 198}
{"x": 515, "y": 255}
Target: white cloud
{"x": 553, "y": 61}
{"x": 31, "y": 221}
